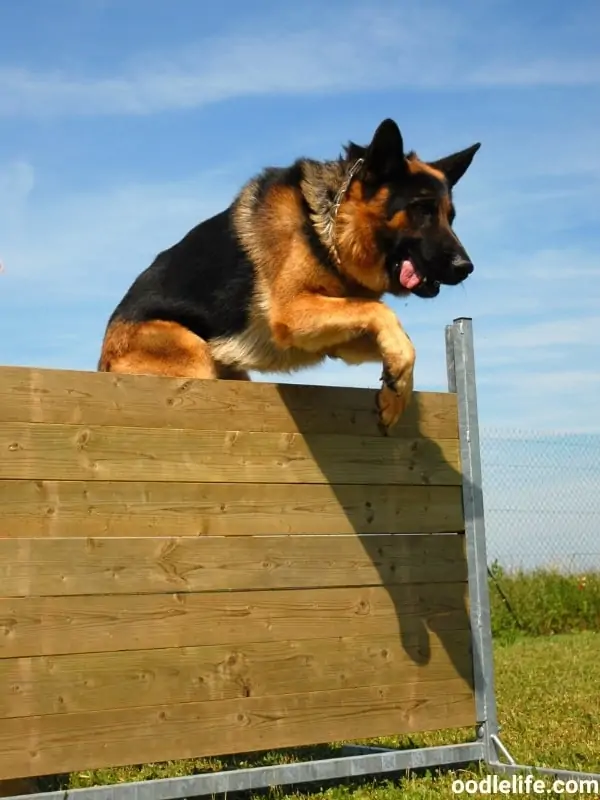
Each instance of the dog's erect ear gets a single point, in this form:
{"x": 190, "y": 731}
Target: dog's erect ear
{"x": 455, "y": 166}
{"x": 384, "y": 157}
{"x": 353, "y": 151}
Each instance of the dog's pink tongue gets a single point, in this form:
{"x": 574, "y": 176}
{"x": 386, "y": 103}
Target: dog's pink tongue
{"x": 408, "y": 277}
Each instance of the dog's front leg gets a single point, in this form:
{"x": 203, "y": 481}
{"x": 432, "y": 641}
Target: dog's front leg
{"x": 358, "y": 351}
{"x": 320, "y": 324}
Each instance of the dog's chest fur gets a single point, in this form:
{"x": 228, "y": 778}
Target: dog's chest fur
{"x": 270, "y": 232}
{"x": 254, "y": 348}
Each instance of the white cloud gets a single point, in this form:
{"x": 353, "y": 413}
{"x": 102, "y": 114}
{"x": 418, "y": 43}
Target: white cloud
{"x": 305, "y": 57}
{"x": 543, "y": 399}
{"x": 539, "y": 384}
{"x": 555, "y": 332}
{"x": 551, "y": 333}
{"x": 539, "y": 72}
{"x": 17, "y": 180}
{"x": 80, "y": 240}
{"x": 556, "y": 265}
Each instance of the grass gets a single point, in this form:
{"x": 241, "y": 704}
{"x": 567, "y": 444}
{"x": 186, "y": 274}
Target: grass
{"x": 543, "y": 603}
{"x": 549, "y": 709}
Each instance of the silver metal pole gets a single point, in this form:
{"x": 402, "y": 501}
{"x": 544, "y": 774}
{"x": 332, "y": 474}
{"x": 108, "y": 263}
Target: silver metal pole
{"x": 461, "y": 379}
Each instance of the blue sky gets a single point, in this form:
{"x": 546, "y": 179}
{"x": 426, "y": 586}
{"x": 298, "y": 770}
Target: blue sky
{"x": 124, "y": 122}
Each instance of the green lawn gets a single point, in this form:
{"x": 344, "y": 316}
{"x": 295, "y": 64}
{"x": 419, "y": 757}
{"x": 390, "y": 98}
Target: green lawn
{"x": 549, "y": 707}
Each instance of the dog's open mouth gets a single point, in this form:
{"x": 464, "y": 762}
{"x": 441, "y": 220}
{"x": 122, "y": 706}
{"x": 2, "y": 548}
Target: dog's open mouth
{"x": 409, "y": 279}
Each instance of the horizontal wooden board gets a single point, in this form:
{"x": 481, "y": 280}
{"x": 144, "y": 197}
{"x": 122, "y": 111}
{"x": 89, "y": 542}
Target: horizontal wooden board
{"x": 72, "y": 742}
{"x": 73, "y": 452}
{"x": 76, "y": 683}
{"x": 60, "y": 396}
{"x": 104, "y": 508}
{"x": 31, "y": 626}
{"x": 47, "y": 567}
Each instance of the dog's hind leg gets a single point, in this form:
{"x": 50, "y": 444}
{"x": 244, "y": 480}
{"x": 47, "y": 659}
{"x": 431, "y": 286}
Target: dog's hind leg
{"x": 157, "y": 348}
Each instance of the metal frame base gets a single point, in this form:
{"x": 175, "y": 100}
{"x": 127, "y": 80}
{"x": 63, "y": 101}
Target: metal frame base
{"x": 358, "y": 761}
{"x": 367, "y": 761}
{"x": 511, "y": 767}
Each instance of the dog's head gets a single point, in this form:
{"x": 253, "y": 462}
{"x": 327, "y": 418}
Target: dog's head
{"x": 400, "y": 209}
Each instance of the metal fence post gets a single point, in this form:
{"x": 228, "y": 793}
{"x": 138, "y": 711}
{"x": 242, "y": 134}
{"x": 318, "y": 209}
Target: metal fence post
{"x": 460, "y": 357}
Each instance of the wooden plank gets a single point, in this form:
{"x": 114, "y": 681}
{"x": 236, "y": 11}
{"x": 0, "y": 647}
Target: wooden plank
{"x": 104, "y": 508}
{"x": 73, "y": 452}
{"x": 70, "y": 397}
{"x": 44, "y": 626}
{"x": 76, "y": 683}
{"x": 54, "y": 567}
{"x": 72, "y": 742}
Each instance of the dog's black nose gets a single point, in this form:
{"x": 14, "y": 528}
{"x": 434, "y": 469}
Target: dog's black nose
{"x": 462, "y": 266}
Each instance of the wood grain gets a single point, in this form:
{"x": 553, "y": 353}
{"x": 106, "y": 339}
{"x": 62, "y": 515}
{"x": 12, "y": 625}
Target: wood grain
{"x": 69, "y": 742}
{"x": 77, "y": 683}
{"x": 103, "y": 508}
{"x": 117, "y": 649}
{"x": 31, "y": 626}
{"x": 54, "y": 567}
{"x": 70, "y": 397}
{"x": 73, "y": 452}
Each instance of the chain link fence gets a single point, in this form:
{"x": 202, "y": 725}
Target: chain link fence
{"x": 542, "y": 499}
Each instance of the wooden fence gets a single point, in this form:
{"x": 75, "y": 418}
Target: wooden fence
{"x": 193, "y": 568}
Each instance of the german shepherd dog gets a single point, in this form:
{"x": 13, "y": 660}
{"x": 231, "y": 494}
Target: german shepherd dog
{"x": 293, "y": 272}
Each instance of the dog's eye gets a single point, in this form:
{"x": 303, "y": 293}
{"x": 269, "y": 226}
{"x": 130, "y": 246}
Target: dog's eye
{"x": 427, "y": 206}
{"x": 423, "y": 209}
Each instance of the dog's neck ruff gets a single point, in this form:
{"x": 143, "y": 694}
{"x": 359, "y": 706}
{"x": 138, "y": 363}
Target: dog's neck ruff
{"x": 332, "y": 217}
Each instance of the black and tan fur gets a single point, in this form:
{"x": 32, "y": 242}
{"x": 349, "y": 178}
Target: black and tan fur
{"x": 294, "y": 271}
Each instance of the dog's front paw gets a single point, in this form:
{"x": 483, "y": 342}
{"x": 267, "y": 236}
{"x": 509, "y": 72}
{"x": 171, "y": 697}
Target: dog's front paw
{"x": 394, "y": 396}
